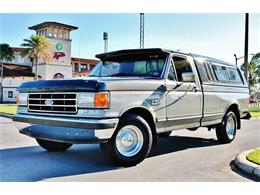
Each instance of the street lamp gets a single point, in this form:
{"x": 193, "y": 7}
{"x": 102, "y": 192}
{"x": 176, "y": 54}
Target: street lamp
{"x": 238, "y": 58}
{"x": 105, "y": 38}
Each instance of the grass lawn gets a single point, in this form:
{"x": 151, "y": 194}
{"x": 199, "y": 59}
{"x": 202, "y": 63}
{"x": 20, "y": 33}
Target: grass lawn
{"x": 255, "y": 111}
{"x": 254, "y": 156}
{"x": 8, "y": 108}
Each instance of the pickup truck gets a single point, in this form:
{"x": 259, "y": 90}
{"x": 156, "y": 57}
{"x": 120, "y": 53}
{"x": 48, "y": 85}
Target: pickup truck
{"x": 131, "y": 98}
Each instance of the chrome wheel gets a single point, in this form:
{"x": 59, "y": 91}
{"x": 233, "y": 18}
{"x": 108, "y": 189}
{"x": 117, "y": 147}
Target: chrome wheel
{"x": 129, "y": 140}
{"x": 230, "y": 127}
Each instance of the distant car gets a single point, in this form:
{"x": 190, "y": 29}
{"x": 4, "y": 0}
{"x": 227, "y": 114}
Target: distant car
{"x": 130, "y": 98}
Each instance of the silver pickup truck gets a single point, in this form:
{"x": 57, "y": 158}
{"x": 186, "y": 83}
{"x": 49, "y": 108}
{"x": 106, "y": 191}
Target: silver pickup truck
{"x": 132, "y": 97}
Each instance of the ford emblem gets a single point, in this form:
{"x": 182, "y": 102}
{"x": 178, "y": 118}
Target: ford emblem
{"x": 48, "y": 102}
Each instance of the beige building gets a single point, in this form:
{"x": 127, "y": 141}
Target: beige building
{"x": 61, "y": 66}
{"x": 59, "y": 36}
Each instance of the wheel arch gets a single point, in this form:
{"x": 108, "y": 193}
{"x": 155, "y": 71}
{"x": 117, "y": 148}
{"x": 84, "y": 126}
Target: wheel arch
{"x": 145, "y": 114}
{"x": 235, "y": 108}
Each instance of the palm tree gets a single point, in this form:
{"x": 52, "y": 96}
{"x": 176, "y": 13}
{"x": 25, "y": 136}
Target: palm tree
{"x": 37, "y": 48}
{"x": 6, "y": 55}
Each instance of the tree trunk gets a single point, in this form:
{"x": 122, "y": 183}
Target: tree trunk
{"x": 36, "y": 69}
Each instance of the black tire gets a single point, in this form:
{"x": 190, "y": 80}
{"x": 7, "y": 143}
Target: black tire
{"x": 221, "y": 130}
{"x": 165, "y": 134}
{"x": 110, "y": 148}
{"x": 53, "y": 146}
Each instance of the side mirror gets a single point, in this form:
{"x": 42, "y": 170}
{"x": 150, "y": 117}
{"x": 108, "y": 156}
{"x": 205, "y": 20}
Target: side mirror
{"x": 188, "y": 77}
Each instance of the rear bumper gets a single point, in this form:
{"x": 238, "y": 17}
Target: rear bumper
{"x": 63, "y": 129}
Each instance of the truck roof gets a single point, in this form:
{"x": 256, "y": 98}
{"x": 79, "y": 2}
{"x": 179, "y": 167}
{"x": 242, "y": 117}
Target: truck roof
{"x": 157, "y": 50}
{"x": 131, "y": 51}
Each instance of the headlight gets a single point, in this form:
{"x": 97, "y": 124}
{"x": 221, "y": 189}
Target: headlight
{"x": 93, "y": 100}
{"x": 21, "y": 99}
{"x": 86, "y": 100}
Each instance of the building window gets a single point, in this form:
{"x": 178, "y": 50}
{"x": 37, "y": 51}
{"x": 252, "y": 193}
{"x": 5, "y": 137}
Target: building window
{"x": 10, "y": 94}
{"x": 76, "y": 67}
{"x": 55, "y": 32}
{"x": 58, "y": 76}
{"x": 64, "y": 35}
{"x": 92, "y": 66}
{"x": 83, "y": 66}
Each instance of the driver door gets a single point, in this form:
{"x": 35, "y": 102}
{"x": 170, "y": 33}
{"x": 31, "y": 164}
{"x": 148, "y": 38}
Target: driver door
{"x": 184, "y": 95}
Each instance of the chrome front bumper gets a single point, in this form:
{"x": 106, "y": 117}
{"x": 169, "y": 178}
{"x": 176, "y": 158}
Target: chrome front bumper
{"x": 64, "y": 129}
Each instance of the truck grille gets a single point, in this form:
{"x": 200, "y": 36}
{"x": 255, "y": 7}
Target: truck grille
{"x": 53, "y": 102}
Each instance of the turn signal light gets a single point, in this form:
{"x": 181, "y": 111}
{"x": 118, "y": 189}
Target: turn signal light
{"x": 101, "y": 100}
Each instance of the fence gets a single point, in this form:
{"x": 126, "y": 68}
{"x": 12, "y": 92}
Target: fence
{"x": 255, "y": 104}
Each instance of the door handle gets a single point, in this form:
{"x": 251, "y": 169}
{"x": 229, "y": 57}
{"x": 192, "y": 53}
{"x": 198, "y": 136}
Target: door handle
{"x": 195, "y": 89}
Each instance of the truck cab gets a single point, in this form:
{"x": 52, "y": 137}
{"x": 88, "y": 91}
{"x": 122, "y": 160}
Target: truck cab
{"x": 132, "y": 97}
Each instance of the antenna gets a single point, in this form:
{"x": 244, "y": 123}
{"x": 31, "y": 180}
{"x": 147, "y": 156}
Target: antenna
{"x": 105, "y": 38}
{"x": 141, "y": 30}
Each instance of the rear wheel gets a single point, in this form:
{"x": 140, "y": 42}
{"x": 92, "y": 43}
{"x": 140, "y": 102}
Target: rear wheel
{"x": 131, "y": 142}
{"x": 53, "y": 146}
{"x": 165, "y": 134}
{"x": 226, "y": 131}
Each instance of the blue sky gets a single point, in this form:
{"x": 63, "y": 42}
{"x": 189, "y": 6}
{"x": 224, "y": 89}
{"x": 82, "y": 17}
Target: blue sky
{"x": 215, "y": 35}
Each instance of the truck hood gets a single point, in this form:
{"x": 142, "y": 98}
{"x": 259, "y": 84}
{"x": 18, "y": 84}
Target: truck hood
{"x": 91, "y": 84}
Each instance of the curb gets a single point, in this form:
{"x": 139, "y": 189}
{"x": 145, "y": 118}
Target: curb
{"x": 6, "y": 115}
{"x": 246, "y": 166}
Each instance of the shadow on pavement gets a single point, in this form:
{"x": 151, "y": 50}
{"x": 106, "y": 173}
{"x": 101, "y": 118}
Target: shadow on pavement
{"x": 178, "y": 143}
{"x": 34, "y": 163}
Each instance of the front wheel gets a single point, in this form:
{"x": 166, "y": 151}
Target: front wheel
{"x": 130, "y": 143}
{"x": 226, "y": 131}
{"x": 53, "y": 146}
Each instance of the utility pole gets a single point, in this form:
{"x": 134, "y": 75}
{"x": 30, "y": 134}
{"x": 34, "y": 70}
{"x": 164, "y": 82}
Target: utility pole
{"x": 2, "y": 74}
{"x": 246, "y": 45}
{"x": 141, "y": 30}
{"x": 105, "y": 38}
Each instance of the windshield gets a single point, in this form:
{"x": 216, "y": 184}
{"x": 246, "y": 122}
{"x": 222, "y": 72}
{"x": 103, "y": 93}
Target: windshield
{"x": 138, "y": 66}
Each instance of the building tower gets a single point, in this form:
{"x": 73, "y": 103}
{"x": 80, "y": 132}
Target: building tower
{"x": 58, "y": 34}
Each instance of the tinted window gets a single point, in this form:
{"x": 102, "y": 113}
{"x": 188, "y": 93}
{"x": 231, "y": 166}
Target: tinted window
{"x": 136, "y": 65}
{"x": 227, "y": 74}
{"x": 182, "y": 65}
{"x": 234, "y": 75}
{"x": 202, "y": 69}
{"x": 221, "y": 72}
{"x": 171, "y": 75}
